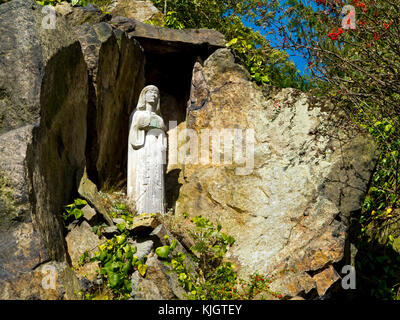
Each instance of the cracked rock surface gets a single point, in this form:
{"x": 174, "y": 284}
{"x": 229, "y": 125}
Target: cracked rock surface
{"x": 310, "y": 172}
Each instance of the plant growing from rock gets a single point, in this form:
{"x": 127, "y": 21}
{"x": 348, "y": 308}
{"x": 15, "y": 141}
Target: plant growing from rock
{"x": 73, "y": 210}
{"x": 216, "y": 278}
{"x": 117, "y": 263}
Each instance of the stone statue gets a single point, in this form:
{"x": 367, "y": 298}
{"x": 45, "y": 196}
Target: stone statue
{"x": 147, "y": 148}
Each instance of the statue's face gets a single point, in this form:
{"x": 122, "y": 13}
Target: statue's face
{"x": 152, "y": 96}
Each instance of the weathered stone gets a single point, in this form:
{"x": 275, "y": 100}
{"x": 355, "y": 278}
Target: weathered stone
{"x": 81, "y": 239}
{"x": 119, "y": 221}
{"x": 143, "y": 248}
{"x": 326, "y": 279}
{"x": 50, "y": 281}
{"x": 144, "y": 223}
{"x": 292, "y": 285}
{"x": 89, "y": 214}
{"x": 116, "y": 73}
{"x": 88, "y": 190}
{"x": 169, "y": 39}
{"x": 43, "y": 91}
{"x": 142, "y": 10}
{"x": 143, "y": 289}
{"x": 159, "y": 237}
{"x": 290, "y": 207}
{"x": 158, "y": 283}
{"x": 77, "y": 16}
{"x": 14, "y": 198}
{"x": 24, "y": 50}
{"x": 110, "y": 231}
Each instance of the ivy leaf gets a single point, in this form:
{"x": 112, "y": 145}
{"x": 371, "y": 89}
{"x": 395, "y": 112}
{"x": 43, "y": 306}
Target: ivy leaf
{"x": 115, "y": 279}
{"x": 142, "y": 268}
{"x": 163, "y": 252}
{"x": 77, "y": 213}
{"x": 80, "y": 202}
{"x": 173, "y": 245}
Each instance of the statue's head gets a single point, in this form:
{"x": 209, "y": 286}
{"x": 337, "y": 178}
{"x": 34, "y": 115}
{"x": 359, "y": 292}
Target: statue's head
{"x": 149, "y": 97}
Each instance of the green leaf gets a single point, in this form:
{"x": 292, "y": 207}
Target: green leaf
{"x": 232, "y": 42}
{"x": 80, "y": 202}
{"x": 127, "y": 267}
{"x": 142, "y": 268}
{"x": 173, "y": 245}
{"x": 115, "y": 279}
{"x": 121, "y": 239}
{"x": 121, "y": 227}
{"x": 163, "y": 252}
{"x": 77, "y": 213}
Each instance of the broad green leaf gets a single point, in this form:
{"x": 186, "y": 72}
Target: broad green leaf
{"x": 142, "y": 268}
{"x": 115, "y": 280}
{"x": 80, "y": 202}
{"x": 163, "y": 252}
{"x": 77, "y": 213}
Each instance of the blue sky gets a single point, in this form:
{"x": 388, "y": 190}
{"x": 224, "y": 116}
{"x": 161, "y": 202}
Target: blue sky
{"x": 300, "y": 62}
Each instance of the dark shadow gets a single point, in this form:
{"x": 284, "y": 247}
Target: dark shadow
{"x": 377, "y": 267}
{"x": 172, "y": 188}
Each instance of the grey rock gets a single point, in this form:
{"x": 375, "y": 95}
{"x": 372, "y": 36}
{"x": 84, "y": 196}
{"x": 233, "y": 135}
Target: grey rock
{"x": 310, "y": 172}
{"x": 81, "y": 239}
{"x": 110, "y": 231}
{"x": 158, "y": 283}
{"x": 118, "y": 221}
{"x": 89, "y": 214}
{"x": 143, "y": 248}
{"x": 43, "y": 87}
{"x": 88, "y": 190}
{"x": 171, "y": 40}
{"x": 143, "y": 224}
{"x": 142, "y": 10}
{"x": 77, "y": 16}
{"x": 143, "y": 289}
{"x": 158, "y": 236}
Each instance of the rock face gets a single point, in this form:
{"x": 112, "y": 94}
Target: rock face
{"x": 142, "y": 10}
{"x": 116, "y": 71}
{"x": 310, "y": 170}
{"x": 43, "y": 81}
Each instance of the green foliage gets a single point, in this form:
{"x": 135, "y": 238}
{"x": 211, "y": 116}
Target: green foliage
{"x": 216, "y": 278}
{"x": 117, "y": 263}
{"x": 74, "y": 210}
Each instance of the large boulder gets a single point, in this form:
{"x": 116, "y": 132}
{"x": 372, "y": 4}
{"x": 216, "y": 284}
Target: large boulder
{"x": 43, "y": 103}
{"x": 289, "y": 203}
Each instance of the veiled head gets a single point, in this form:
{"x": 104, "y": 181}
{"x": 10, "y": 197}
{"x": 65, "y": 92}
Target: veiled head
{"x": 150, "y": 94}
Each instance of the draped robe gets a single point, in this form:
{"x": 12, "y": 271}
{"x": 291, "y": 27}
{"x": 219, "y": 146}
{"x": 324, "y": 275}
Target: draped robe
{"x": 146, "y": 159}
